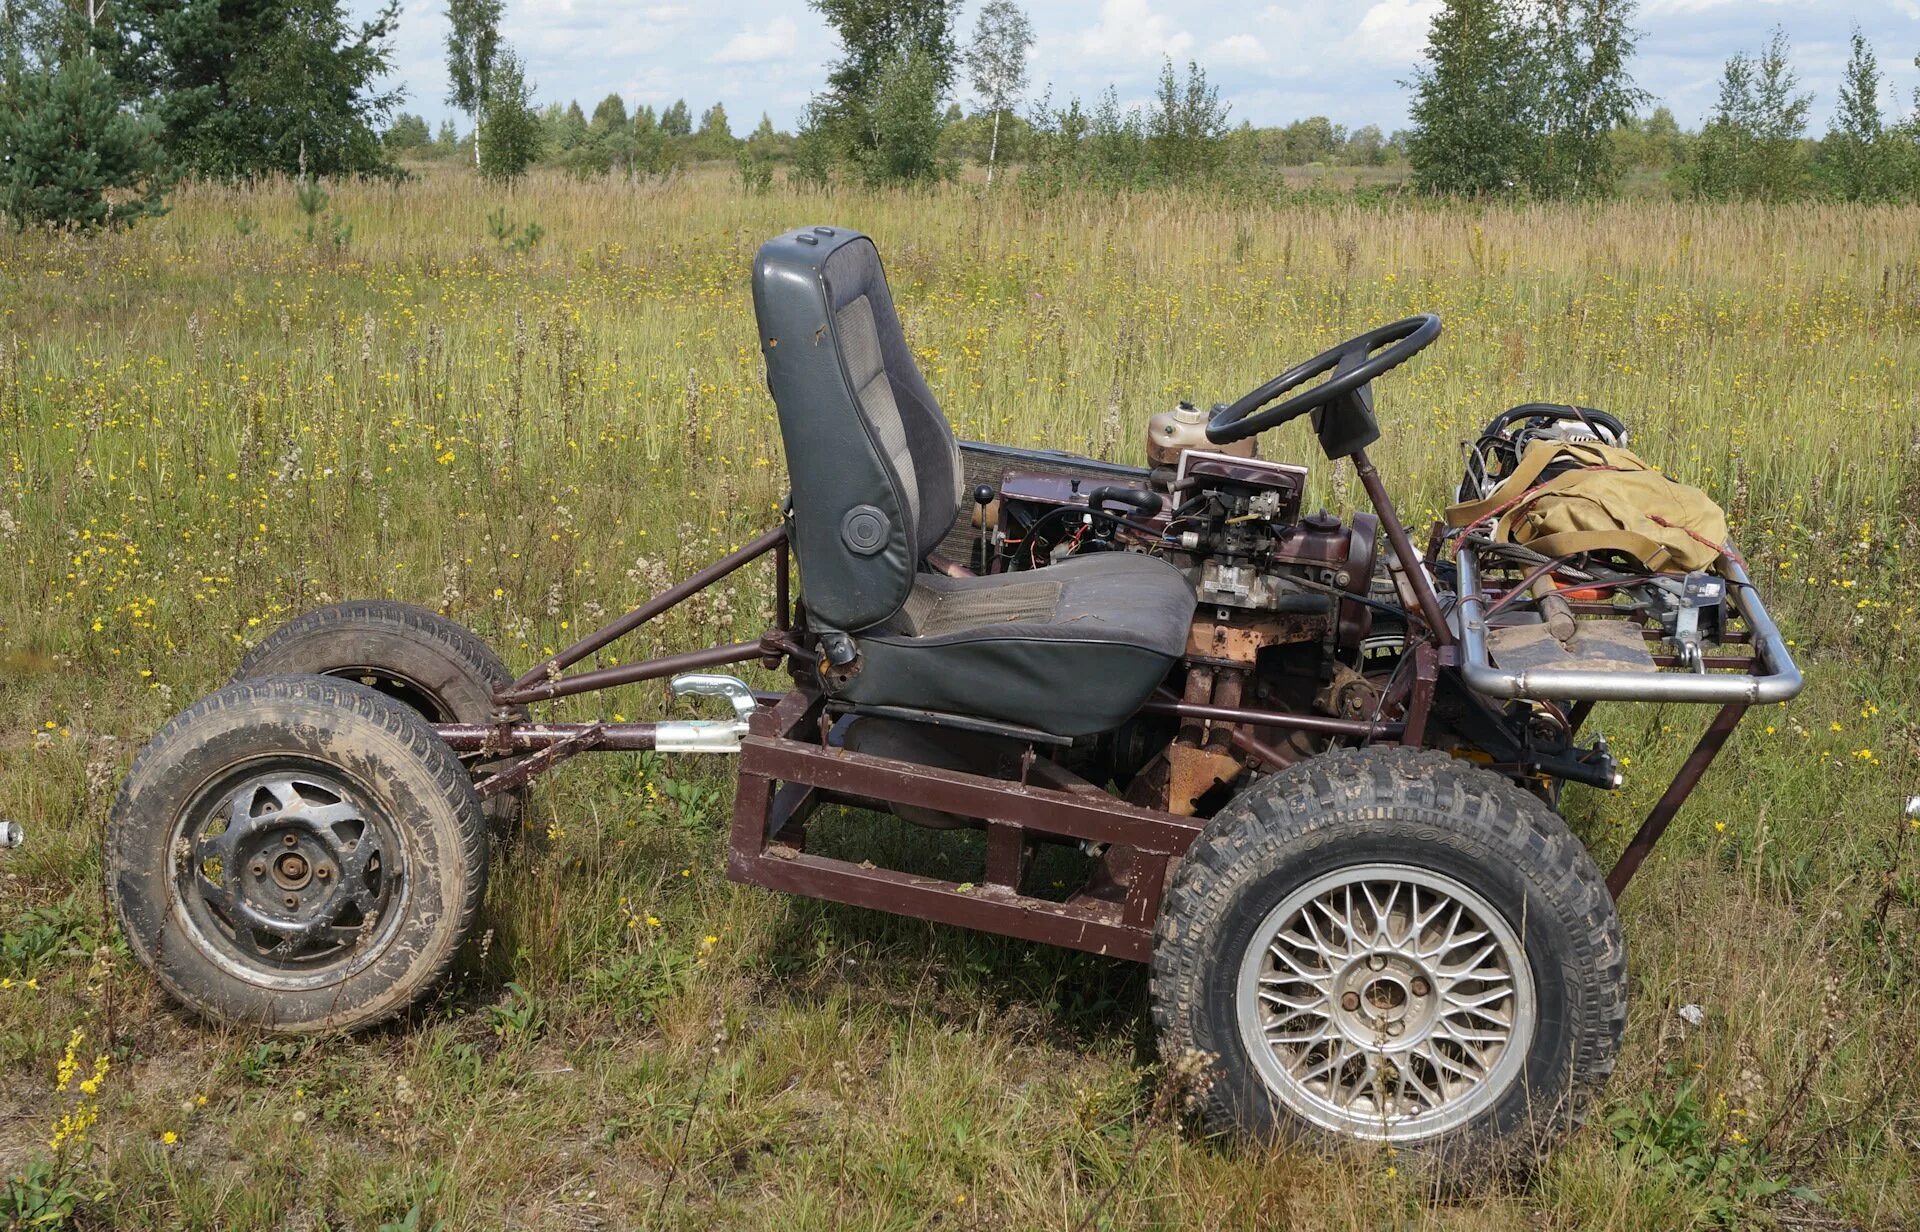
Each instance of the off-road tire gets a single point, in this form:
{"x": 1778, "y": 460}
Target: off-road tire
{"x": 393, "y": 762}
{"x": 1422, "y": 810}
{"x": 438, "y": 667}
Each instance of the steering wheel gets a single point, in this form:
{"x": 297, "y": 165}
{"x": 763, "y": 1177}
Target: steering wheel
{"x": 1354, "y": 363}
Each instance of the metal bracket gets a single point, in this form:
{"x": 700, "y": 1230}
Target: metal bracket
{"x": 524, "y": 770}
{"x": 708, "y": 735}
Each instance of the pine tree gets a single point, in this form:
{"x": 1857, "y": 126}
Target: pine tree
{"x": 677, "y": 121}
{"x": 610, "y": 138}
{"x": 715, "y": 136}
{"x": 73, "y": 155}
{"x": 258, "y": 87}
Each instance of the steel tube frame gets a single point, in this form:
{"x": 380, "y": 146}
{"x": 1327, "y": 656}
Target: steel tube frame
{"x": 1638, "y": 847}
{"x": 777, "y": 750}
{"x": 544, "y": 681}
{"x": 1283, "y": 720}
{"x": 1782, "y": 681}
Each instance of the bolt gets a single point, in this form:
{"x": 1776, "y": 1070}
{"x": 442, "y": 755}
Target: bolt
{"x": 1420, "y": 986}
{"x": 1395, "y": 1028}
{"x": 259, "y": 869}
{"x": 1377, "y": 961}
{"x": 1350, "y": 1002}
{"x": 288, "y": 839}
{"x": 323, "y": 872}
{"x": 291, "y": 901}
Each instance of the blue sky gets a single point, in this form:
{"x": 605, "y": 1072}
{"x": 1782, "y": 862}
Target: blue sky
{"x": 1274, "y": 62}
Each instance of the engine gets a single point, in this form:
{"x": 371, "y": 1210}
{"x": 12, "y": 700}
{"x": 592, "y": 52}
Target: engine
{"x": 1232, "y": 522}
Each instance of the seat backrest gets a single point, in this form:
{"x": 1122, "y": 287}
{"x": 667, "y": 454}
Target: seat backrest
{"x": 875, "y": 472}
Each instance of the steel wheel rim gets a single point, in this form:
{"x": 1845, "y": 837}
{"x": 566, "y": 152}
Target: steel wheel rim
{"x": 1386, "y": 1002}
{"x": 285, "y": 876}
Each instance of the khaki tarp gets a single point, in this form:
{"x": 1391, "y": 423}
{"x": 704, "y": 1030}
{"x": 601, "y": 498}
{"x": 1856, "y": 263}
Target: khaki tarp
{"x": 1613, "y": 502}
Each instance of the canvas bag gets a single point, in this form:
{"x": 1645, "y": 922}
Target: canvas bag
{"x": 1613, "y": 501}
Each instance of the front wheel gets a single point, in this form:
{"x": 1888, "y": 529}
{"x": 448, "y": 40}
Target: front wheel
{"x": 1390, "y": 945}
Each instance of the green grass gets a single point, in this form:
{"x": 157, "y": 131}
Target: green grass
{"x": 210, "y": 423}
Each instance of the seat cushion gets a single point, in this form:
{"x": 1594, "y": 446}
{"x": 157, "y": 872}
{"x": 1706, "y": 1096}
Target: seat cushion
{"x": 1071, "y": 649}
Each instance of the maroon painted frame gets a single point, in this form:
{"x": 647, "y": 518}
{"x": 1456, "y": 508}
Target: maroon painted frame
{"x": 788, "y": 768}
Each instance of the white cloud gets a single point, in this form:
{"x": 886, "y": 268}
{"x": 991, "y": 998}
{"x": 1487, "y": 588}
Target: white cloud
{"x": 777, "y": 40}
{"x": 1130, "y": 31}
{"x": 1237, "y": 49}
{"x": 1662, "y": 7}
{"x": 1393, "y": 31}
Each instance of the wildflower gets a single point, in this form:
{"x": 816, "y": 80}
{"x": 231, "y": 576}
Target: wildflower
{"x": 169, "y": 1138}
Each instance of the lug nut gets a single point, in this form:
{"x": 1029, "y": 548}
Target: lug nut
{"x": 258, "y": 869}
{"x": 288, "y": 839}
{"x": 291, "y": 901}
{"x": 1420, "y": 986}
{"x": 1376, "y": 961}
{"x": 1395, "y": 1028}
{"x": 322, "y": 872}
{"x": 1350, "y": 1002}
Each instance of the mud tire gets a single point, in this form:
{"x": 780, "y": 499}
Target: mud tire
{"x": 395, "y": 768}
{"x": 1422, "y": 810}
{"x": 438, "y": 667}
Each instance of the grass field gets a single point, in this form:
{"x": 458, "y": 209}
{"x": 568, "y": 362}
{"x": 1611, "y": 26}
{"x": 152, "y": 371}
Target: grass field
{"x": 213, "y": 422}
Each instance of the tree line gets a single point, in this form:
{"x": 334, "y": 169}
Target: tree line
{"x": 104, "y": 104}
{"x": 1537, "y": 98}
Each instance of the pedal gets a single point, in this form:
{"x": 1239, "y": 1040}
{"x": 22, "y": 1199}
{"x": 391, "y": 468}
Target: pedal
{"x": 707, "y": 735}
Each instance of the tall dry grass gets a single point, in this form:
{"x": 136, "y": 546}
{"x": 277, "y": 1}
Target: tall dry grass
{"x": 210, "y": 422}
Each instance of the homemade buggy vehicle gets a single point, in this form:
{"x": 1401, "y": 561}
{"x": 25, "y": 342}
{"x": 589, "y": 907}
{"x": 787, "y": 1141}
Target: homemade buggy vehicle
{"x": 1313, "y": 769}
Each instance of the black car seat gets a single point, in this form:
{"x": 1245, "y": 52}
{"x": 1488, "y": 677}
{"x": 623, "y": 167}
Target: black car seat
{"x": 1071, "y": 649}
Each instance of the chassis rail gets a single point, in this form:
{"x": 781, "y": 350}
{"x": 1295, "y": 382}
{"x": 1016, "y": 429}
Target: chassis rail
{"x": 791, "y": 763}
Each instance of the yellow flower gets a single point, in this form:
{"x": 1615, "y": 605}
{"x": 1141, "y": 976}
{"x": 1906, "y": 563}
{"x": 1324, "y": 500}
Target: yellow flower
{"x": 169, "y": 1138}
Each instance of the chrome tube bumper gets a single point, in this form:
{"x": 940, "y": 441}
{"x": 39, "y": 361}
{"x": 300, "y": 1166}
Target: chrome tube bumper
{"x": 1779, "y": 682}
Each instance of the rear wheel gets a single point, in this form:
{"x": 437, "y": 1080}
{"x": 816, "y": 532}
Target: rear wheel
{"x": 438, "y": 668}
{"x": 1390, "y": 945}
{"x": 297, "y": 853}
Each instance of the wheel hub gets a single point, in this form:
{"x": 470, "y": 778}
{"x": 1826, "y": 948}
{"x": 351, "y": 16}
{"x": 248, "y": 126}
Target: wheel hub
{"x": 290, "y": 866}
{"x": 1386, "y": 1002}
